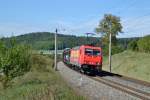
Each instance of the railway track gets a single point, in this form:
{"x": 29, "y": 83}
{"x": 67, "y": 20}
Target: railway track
{"x": 124, "y": 84}
{"x": 132, "y": 91}
{"x": 129, "y": 79}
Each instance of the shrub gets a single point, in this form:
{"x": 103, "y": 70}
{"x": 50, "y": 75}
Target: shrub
{"x": 115, "y": 49}
{"x": 144, "y": 44}
{"x": 105, "y": 50}
{"x": 14, "y": 61}
{"x": 133, "y": 45}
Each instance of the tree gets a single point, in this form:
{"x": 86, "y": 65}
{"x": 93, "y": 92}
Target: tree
{"x": 109, "y": 24}
{"x": 109, "y": 27}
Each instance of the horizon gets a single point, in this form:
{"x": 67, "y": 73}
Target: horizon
{"x": 64, "y": 34}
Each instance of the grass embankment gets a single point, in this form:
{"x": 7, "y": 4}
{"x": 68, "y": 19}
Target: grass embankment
{"x": 41, "y": 83}
{"x": 132, "y": 64}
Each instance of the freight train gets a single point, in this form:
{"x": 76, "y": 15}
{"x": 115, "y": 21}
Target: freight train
{"x": 86, "y": 58}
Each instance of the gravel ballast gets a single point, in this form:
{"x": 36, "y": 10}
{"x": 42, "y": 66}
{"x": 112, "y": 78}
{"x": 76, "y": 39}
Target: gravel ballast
{"x": 129, "y": 83}
{"x": 90, "y": 88}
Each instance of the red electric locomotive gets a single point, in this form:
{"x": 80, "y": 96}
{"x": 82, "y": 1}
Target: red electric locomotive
{"x": 85, "y": 57}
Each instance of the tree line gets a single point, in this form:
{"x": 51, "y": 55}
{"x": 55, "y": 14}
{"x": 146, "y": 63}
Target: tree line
{"x": 141, "y": 45}
{"x": 45, "y": 40}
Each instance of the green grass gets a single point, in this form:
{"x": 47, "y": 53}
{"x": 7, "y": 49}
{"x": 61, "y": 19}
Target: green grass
{"x": 41, "y": 83}
{"x": 132, "y": 64}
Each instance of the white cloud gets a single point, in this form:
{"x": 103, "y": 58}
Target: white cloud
{"x": 136, "y": 26}
{"x": 132, "y": 27}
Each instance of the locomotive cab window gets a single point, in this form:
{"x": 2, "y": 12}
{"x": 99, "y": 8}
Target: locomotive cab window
{"x": 88, "y": 51}
{"x": 92, "y": 52}
{"x": 96, "y": 52}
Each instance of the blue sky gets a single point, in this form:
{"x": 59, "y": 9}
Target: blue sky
{"x": 72, "y": 16}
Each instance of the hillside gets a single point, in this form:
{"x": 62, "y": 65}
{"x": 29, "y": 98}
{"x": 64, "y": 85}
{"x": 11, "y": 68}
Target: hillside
{"x": 132, "y": 64}
{"x": 40, "y": 83}
{"x": 45, "y": 40}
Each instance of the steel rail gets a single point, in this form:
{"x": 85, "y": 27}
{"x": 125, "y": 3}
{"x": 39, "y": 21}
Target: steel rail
{"x": 133, "y": 80}
{"x": 129, "y": 90}
{"x": 132, "y": 91}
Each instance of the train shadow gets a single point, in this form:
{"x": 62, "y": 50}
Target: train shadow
{"x": 96, "y": 73}
{"x": 105, "y": 73}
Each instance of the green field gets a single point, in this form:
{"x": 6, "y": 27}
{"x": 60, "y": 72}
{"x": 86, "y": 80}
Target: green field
{"x": 132, "y": 64}
{"x": 41, "y": 83}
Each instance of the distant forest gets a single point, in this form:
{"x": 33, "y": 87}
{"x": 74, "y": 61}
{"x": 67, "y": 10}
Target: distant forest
{"x": 45, "y": 40}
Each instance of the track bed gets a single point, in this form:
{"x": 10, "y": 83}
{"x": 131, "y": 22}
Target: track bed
{"x": 132, "y": 88}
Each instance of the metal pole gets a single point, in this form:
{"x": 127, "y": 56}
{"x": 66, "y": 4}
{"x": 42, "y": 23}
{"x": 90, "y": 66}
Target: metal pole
{"x": 55, "y": 50}
{"x": 110, "y": 51}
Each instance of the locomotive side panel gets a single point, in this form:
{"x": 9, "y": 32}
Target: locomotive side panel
{"x": 75, "y": 56}
{"x": 66, "y": 56}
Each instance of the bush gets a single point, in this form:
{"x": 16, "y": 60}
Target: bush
{"x": 40, "y": 83}
{"x": 14, "y": 61}
{"x": 144, "y": 44}
{"x": 133, "y": 45}
{"x": 115, "y": 49}
{"x": 41, "y": 60}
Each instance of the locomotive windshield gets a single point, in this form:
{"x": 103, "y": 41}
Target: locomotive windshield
{"x": 92, "y": 52}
